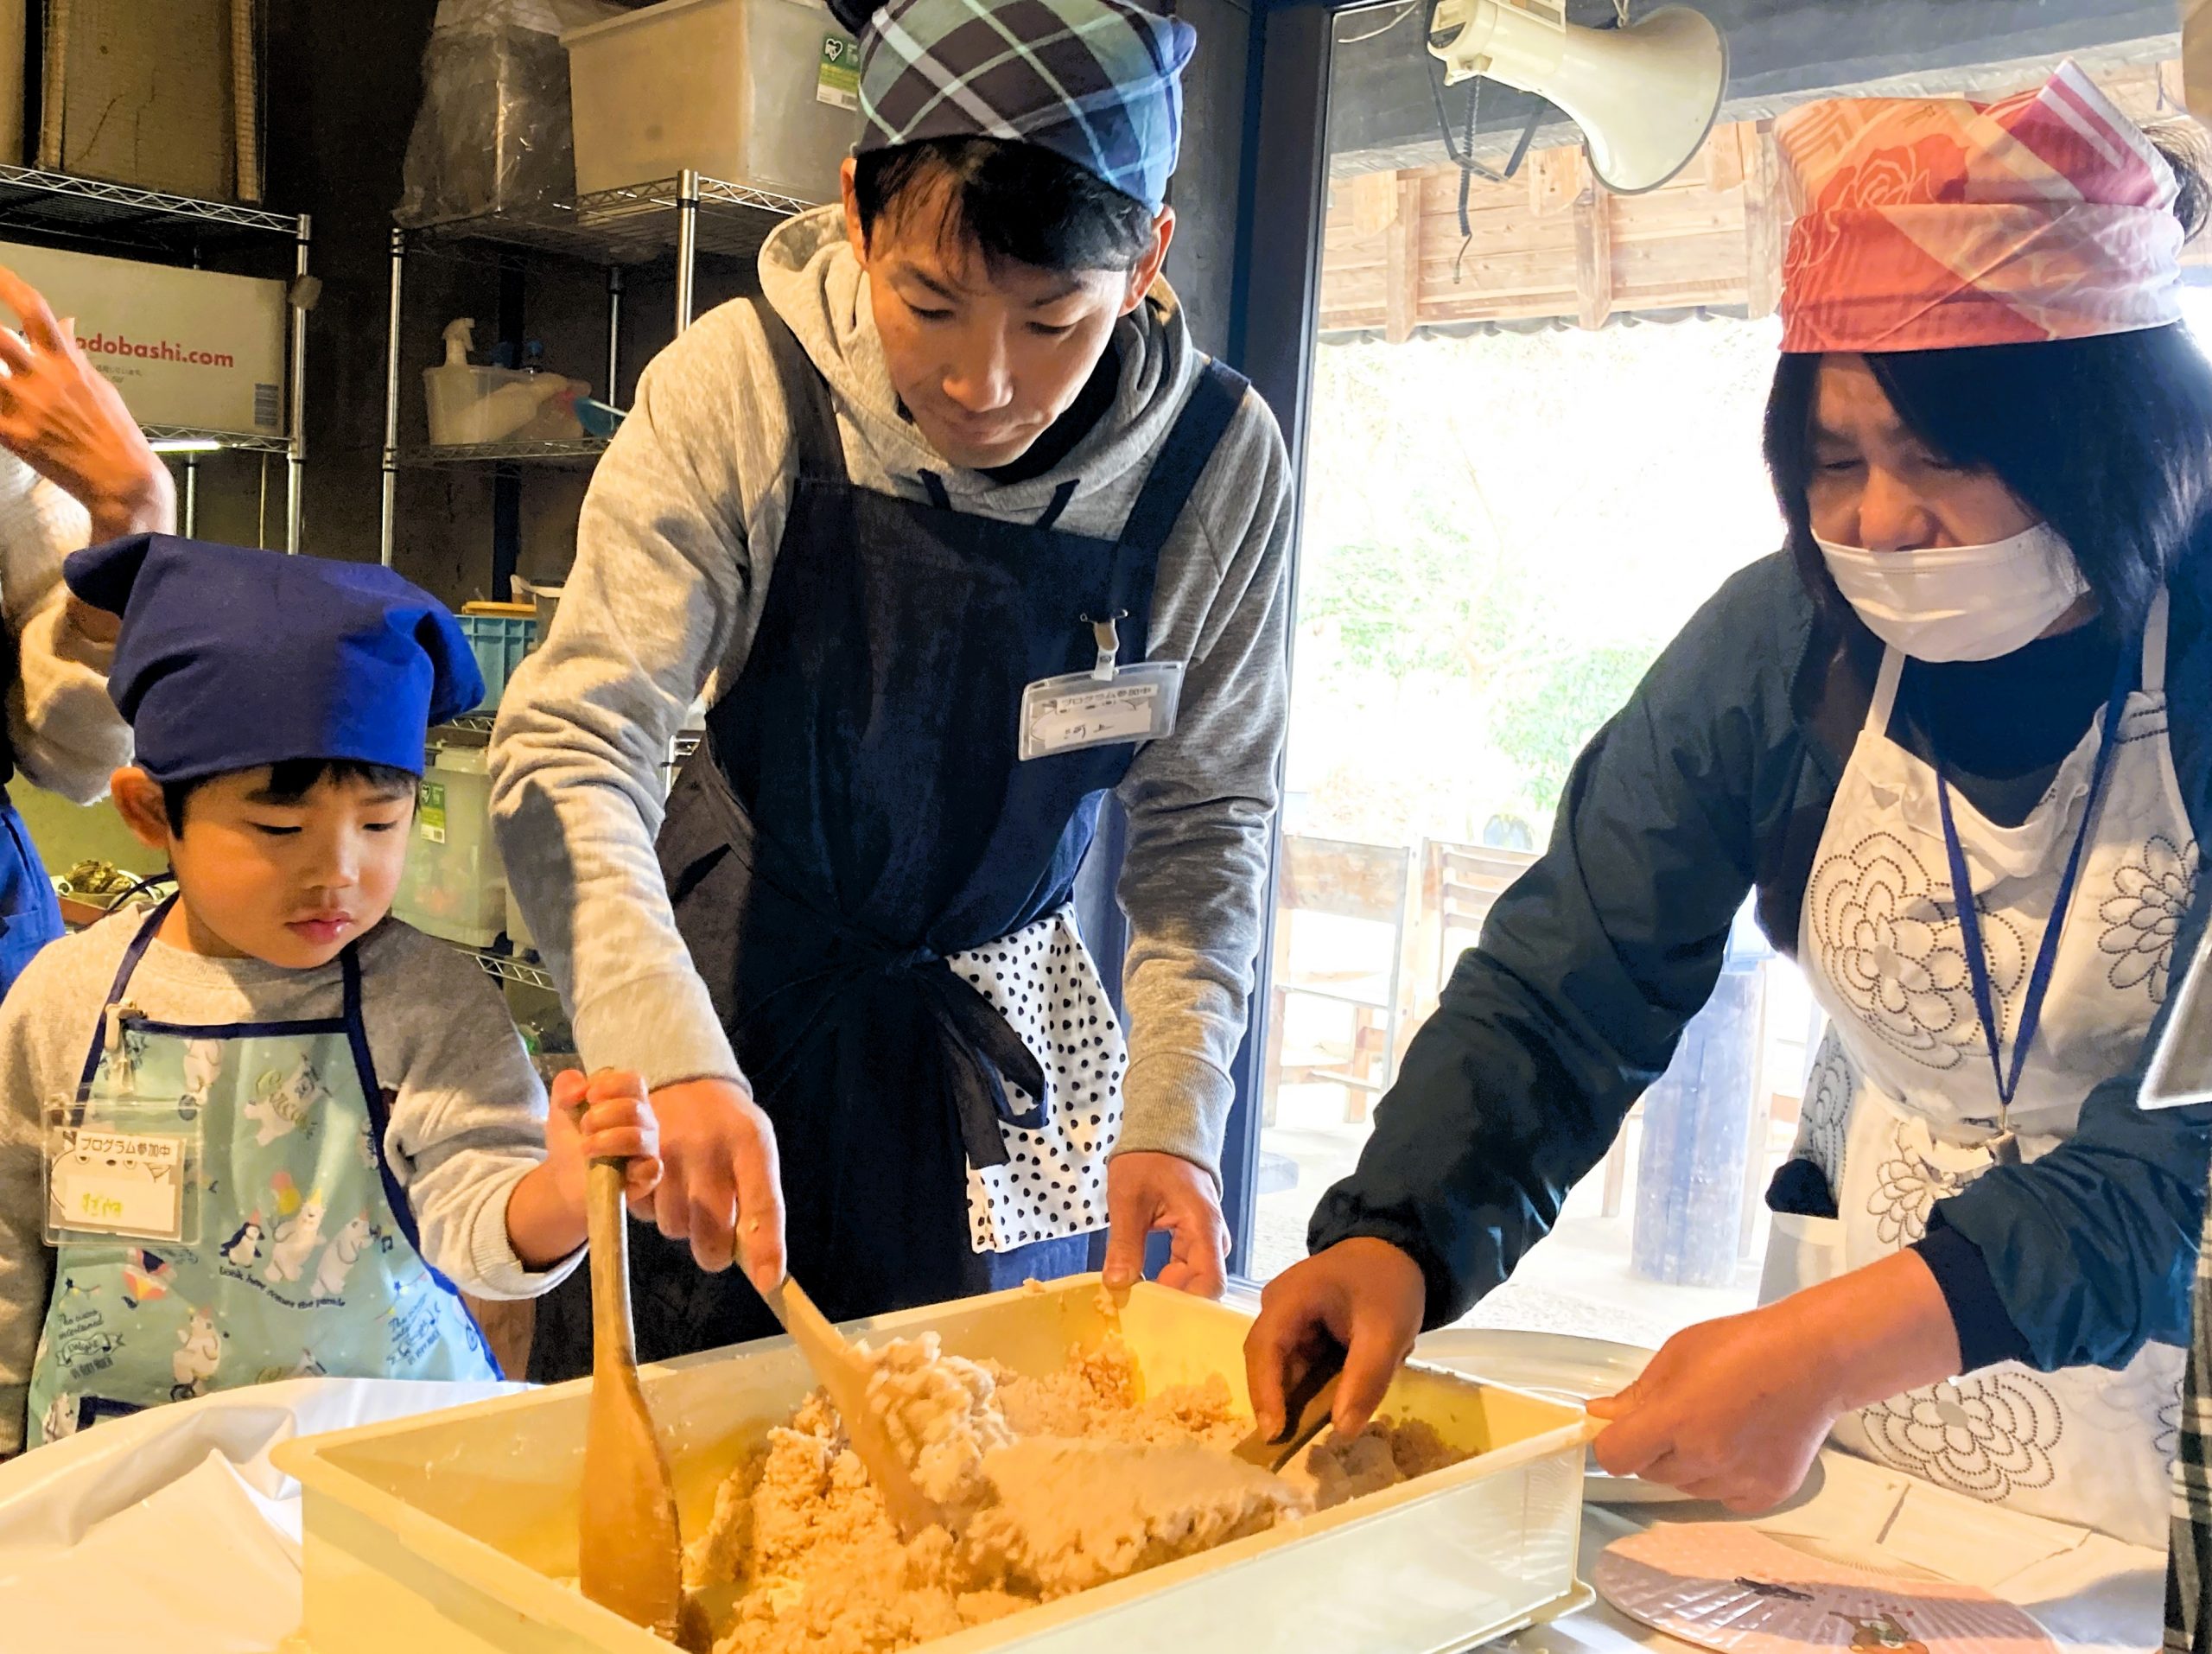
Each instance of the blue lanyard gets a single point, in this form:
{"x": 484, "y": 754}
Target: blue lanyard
{"x": 1984, "y": 1000}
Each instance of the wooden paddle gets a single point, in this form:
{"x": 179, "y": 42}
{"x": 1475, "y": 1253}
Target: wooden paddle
{"x": 1308, "y": 1404}
{"x": 630, "y": 1556}
{"x": 843, "y": 1371}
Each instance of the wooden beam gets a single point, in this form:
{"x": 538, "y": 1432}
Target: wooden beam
{"x": 1593, "y": 256}
{"x": 1401, "y": 263}
{"x": 1724, "y": 159}
{"x": 1765, "y": 222}
{"x": 2173, "y": 80}
{"x": 1556, "y": 178}
{"x": 1374, "y": 202}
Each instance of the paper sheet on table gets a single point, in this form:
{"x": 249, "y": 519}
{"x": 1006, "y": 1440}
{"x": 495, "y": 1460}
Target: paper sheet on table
{"x": 170, "y": 1529}
{"x": 1865, "y": 1508}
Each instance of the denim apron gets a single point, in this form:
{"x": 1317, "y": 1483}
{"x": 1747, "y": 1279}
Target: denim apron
{"x": 306, "y": 1261}
{"x": 857, "y": 816}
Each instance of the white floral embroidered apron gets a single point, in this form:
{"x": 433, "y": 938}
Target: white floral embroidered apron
{"x": 1903, "y": 1107}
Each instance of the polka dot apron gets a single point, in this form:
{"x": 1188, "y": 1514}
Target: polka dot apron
{"x": 1042, "y": 980}
{"x": 1902, "y": 1108}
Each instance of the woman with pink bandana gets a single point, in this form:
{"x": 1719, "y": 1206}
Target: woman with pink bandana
{"x": 1956, "y": 740}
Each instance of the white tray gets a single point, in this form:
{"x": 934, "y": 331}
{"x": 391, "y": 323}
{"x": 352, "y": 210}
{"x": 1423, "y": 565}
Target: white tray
{"x": 447, "y": 1532}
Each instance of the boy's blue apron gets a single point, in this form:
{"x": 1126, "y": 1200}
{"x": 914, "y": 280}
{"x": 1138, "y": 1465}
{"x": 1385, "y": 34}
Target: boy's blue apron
{"x": 307, "y": 1260}
{"x": 857, "y": 815}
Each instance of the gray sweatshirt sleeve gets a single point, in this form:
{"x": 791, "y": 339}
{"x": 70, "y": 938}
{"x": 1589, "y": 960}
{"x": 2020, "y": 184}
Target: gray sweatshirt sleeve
{"x": 68, "y": 736}
{"x": 467, "y": 1114}
{"x": 1201, "y": 803}
{"x": 37, "y": 1062}
{"x": 658, "y": 601}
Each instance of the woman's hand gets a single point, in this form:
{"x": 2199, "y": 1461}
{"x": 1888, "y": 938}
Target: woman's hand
{"x": 1362, "y": 1297}
{"x": 1735, "y": 1410}
{"x": 61, "y": 418}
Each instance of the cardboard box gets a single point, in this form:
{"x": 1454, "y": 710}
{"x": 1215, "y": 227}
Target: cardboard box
{"x": 12, "y": 47}
{"x": 146, "y": 95}
{"x": 185, "y": 347}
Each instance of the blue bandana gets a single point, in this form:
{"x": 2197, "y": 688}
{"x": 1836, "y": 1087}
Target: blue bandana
{"x": 232, "y": 658}
{"x": 1097, "y": 82}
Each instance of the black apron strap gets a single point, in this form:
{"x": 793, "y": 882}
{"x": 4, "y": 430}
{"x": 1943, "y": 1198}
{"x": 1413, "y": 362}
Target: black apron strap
{"x": 1183, "y": 459}
{"x": 820, "y": 447}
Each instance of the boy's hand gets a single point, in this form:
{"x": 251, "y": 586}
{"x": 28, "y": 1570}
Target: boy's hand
{"x": 606, "y": 1116}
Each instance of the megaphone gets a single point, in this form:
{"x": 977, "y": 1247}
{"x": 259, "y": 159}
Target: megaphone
{"x": 1645, "y": 96}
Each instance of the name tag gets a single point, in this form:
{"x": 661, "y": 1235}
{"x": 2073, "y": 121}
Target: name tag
{"x": 1065, "y": 715}
{"x": 118, "y": 1183}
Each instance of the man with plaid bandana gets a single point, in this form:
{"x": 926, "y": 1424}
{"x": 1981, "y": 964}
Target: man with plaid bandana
{"x": 957, "y": 532}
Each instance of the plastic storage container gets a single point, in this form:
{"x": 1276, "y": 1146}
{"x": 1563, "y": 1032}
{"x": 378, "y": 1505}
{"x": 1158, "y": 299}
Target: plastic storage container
{"x": 748, "y": 91}
{"x": 544, "y": 602}
{"x": 469, "y": 406}
{"x": 453, "y": 1531}
{"x": 500, "y": 640}
{"x": 453, "y": 886}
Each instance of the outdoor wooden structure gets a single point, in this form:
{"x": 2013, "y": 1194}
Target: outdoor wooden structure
{"x": 1367, "y": 883}
{"x": 1549, "y": 244}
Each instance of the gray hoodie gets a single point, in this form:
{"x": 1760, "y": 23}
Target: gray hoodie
{"x": 674, "y": 554}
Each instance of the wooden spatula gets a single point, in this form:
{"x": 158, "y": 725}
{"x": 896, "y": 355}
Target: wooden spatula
{"x": 632, "y": 1559}
{"x": 1308, "y": 1404}
{"x": 842, "y": 1371}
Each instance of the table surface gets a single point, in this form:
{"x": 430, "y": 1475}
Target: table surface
{"x": 171, "y": 1530}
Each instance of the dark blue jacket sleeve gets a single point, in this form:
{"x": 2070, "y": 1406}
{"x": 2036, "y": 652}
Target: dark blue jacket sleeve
{"x": 2093, "y": 1248}
{"x": 1590, "y": 964}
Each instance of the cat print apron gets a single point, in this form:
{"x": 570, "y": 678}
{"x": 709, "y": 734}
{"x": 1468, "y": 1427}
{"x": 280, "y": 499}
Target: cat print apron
{"x": 305, "y": 1261}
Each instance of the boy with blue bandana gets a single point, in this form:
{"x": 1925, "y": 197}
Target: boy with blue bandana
{"x": 268, "y": 1131}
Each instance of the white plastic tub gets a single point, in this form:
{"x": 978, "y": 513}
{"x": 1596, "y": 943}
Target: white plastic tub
{"x": 733, "y": 89}
{"x": 448, "y": 1532}
{"x": 471, "y": 405}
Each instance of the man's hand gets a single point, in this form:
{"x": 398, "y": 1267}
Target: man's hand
{"x": 720, "y": 1188}
{"x": 61, "y": 418}
{"x": 1362, "y": 1297}
{"x": 1147, "y": 1192}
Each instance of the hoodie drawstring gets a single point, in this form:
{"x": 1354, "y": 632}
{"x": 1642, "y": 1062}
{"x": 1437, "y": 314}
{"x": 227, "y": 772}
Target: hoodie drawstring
{"x": 933, "y": 486}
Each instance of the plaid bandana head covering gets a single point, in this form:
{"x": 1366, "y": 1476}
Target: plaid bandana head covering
{"x": 1097, "y": 82}
{"x": 1929, "y": 224}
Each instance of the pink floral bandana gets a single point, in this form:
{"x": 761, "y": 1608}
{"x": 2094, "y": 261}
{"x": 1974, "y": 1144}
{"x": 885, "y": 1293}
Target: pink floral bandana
{"x": 1934, "y": 223}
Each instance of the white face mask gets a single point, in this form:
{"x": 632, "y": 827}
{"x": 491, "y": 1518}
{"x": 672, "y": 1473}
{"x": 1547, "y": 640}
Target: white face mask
{"x": 1960, "y": 603}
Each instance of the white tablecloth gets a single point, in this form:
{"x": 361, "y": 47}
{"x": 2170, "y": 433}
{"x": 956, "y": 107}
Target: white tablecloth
{"x": 169, "y": 1530}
